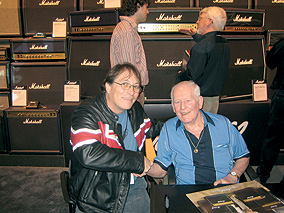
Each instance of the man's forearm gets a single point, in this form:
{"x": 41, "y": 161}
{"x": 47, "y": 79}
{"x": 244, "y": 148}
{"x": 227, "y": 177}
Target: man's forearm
{"x": 156, "y": 171}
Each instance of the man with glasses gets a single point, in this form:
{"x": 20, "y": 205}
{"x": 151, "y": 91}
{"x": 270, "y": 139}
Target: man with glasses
{"x": 209, "y": 58}
{"x": 126, "y": 44}
{"x": 107, "y": 136}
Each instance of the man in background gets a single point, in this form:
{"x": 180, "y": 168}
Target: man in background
{"x": 274, "y": 138}
{"x": 126, "y": 44}
{"x": 209, "y": 58}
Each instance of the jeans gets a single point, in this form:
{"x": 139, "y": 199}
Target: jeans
{"x": 137, "y": 201}
{"x": 274, "y": 136}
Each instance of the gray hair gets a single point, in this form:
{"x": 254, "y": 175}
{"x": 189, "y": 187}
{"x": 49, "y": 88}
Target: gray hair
{"x": 196, "y": 88}
{"x": 218, "y": 16}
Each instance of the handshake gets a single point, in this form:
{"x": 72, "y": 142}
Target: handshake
{"x": 147, "y": 166}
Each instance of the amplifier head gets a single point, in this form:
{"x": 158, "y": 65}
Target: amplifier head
{"x": 246, "y": 4}
{"x": 246, "y": 64}
{"x": 45, "y": 81}
{"x": 169, "y": 20}
{"x": 244, "y": 20}
{"x": 164, "y": 55}
{"x": 30, "y": 131}
{"x": 93, "y": 21}
{"x": 38, "y": 49}
{"x": 89, "y": 62}
{"x": 5, "y": 75}
{"x": 38, "y": 15}
{"x": 10, "y": 16}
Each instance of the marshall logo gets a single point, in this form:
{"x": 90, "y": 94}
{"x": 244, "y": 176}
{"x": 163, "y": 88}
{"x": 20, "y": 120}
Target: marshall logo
{"x": 35, "y": 86}
{"x": 19, "y": 87}
{"x": 277, "y": 1}
{"x": 243, "y": 62}
{"x": 259, "y": 82}
{"x": 242, "y": 19}
{"x": 223, "y": 1}
{"x": 165, "y": 1}
{"x": 163, "y": 63}
{"x": 59, "y": 19}
{"x": 169, "y": 18}
{"x": 35, "y": 47}
{"x": 49, "y": 3}
{"x": 71, "y": 82}
{"x": 29, "y": 121}
{"x": 89, "y": 19}
{"x": 242, "y": 127}
{"x": 101, "y": 2}
{"x": 86, "y": 62}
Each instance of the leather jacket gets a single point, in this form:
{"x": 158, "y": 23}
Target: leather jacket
{"x": 100, "y": 166}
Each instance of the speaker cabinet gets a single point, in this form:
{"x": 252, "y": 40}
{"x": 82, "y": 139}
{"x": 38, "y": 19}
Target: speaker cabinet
{"x": 38, "y": 15}
{"x": 34, "y": 131}
{"x": 45, "y": 80}
{"x": 2, "y": 135}
{"x": 91, "y": 4}
{"x": 164, "y": 55}
{"x": 89, "y": 62}
{"x": 10, "y": 16}
{"x": 4, "y": 75}
{"x": 246, "y": 64}
{"x": 5, "y": 100}
{"x": 171, "y": 3}
{"x": 274, "y": 13}
{"x": 247, "y": 4}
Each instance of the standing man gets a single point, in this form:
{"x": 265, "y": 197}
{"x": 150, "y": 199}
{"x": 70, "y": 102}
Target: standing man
{"x": 107, "y": 136}
{"x": 126, "y": 44}
{"x": 205, "y": 148}
{"x": 274, "y": 138}
{"x": 209, "y": 58}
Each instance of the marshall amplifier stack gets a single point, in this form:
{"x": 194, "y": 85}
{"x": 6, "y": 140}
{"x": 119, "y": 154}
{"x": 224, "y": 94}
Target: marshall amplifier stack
{"x": 34, "y": 131}
{"x": 93, "y": 21}
{"x": 91, "y": 4}
{"x": 244, "y": 20}
{"x": 39, "y": 15}
{"x": 169, "y": 20}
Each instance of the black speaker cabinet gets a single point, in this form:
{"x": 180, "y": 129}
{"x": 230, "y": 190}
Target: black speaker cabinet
{"x": 45, "y": 80}
{"x": 274, "y": 13}
{"x": 3, "y": 144}
{"x": 91, "y": 4}
{"x": 38, "y": 15}
{"x": 164, "y": 55}
{"x": 247, "y": 63}
{"x": 4, "y": 75}
{"x": 172, "y": 3}
{"x": 10, "y": 16}
{"x": 89, "y": 61}
{"x": 34, "y": 131}
{"x": 247, "y": 4}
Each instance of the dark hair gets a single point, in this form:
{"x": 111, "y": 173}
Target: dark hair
{"x": 129, "y": 7}
{"x": 115, "y": 71}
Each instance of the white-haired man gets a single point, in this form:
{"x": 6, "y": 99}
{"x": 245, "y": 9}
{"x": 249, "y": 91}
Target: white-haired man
{"x": 209, "y": 58}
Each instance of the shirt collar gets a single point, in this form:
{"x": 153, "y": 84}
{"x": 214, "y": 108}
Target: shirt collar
{"x": 206, "y": 117}
{"x": 132, "y": 23}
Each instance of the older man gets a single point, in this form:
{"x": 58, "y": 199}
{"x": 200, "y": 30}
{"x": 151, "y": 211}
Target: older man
{"x": 205, "y": 148}
{"x": 209, "y": 58}
{"x": 108, "y": 134}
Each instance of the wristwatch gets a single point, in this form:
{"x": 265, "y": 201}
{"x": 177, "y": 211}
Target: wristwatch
{"x": 235, "y": 175}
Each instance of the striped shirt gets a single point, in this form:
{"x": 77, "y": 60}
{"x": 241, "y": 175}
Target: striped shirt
{"x": 126, "y": 46}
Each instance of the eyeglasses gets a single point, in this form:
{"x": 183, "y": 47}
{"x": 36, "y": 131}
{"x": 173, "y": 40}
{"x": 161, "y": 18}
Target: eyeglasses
{"x": 127, "y": 86}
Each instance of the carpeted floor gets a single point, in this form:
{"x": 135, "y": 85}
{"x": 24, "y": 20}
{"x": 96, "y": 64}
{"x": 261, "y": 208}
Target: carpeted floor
{"x": 31, "y": 189}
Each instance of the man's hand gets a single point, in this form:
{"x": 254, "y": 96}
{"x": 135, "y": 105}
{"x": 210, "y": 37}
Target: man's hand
{"x": 187, "y": 31}
{"x": 147, "y": 165}
{"x": 229, "y": 179}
